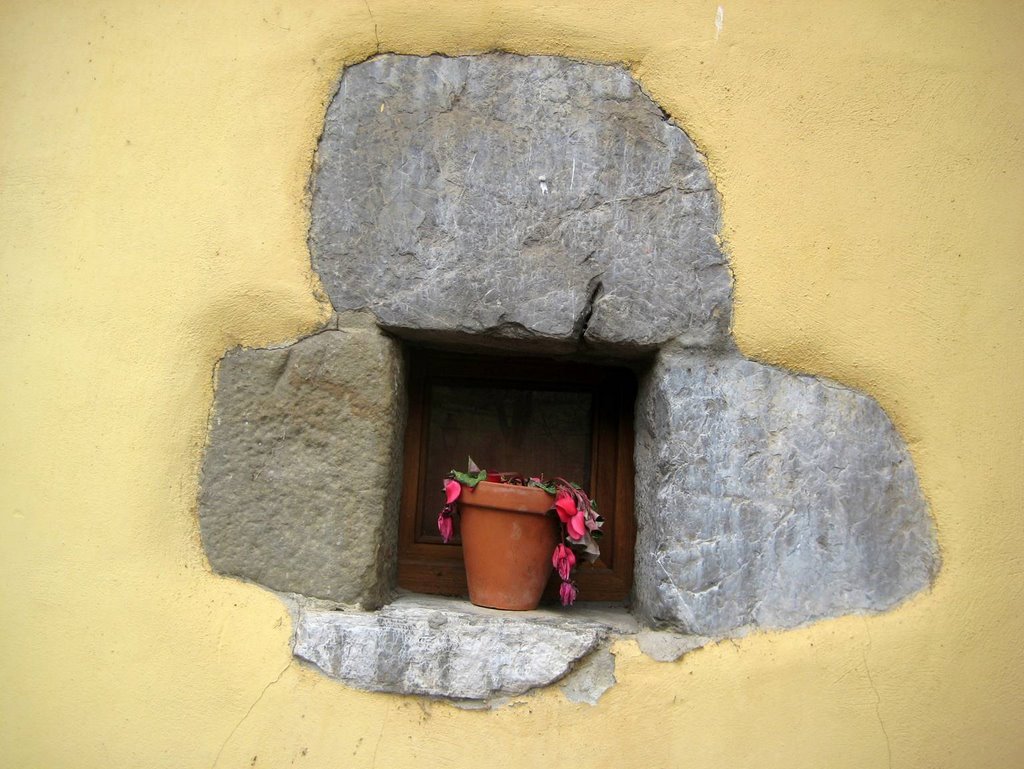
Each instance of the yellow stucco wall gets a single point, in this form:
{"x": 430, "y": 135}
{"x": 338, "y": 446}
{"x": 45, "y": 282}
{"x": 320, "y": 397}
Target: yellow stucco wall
{"x": 153, "y": 165}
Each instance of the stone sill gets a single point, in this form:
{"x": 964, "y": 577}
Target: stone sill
{"x": 613, "y": 616}
{"x": 448, "y": 648}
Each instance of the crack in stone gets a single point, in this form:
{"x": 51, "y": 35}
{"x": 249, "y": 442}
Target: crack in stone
{"x": 594, "y": 289}
{"x": 456, "y": 97}
{"x": 506, "y": 328}
{"x": 633, "y": 199}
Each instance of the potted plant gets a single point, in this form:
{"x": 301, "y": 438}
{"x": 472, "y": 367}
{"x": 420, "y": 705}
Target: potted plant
{"x": 515, "y": 529}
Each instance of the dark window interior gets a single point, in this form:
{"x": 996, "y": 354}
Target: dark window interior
{"x": 526, "y": 415}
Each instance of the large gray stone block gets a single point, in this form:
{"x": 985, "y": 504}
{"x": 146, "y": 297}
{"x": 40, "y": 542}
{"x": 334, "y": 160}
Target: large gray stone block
{"x": 301, "y": 474}
{"x": 449, "y": 648}
{"x": 770, "y": 499}
{"x": 509, "y": 196}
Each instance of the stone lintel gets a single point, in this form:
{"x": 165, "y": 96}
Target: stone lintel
{"x": 511, "y": 197}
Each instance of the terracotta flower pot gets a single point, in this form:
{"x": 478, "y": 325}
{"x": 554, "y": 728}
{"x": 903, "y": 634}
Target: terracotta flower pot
{"x": 507, "y": 541}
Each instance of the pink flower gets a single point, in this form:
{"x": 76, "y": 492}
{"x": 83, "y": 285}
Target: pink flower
{"x": 576, "y": 526}
{"x": 452, "y": 489}
{"x": 565, "y": 505}
{"x": 567, "y": 592}
{"x": 444, "y": 525}
{"x": 563, "y": 560}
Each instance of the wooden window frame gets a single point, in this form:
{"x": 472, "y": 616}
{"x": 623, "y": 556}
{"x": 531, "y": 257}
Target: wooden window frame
{"x": 433, "y": 567}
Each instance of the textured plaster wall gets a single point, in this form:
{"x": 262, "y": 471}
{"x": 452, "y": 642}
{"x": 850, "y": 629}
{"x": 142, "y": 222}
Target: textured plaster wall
{"x": 154, "y": 159}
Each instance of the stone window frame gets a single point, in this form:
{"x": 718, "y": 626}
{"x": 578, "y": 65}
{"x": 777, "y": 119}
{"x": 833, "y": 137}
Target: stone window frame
{"x": 438, "y": 569}
{"x": 764, "y": 498}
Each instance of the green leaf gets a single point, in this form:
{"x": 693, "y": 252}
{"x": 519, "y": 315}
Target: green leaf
{"x": 548, "y": 487}
{"x": 467, "y": 479}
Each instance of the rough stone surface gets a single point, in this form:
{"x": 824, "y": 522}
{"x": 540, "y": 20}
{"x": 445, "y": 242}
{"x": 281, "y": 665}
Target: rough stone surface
{"x": 445, "y": 648}
{"x": 300, "y": 477}
{"x": 666, "y": 646}
{"x": 517, "y": 197}
{"x": 767, "y": 498}
{"x": 591, "y": 678}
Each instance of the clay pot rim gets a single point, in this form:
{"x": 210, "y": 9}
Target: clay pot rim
{"x": 508, "y": 496}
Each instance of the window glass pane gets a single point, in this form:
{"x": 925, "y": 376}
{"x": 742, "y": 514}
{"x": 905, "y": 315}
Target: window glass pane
{"x": 527, "y": 431}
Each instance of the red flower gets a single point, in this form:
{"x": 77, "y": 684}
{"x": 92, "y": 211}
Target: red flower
{"x": 563, "y": 560}
{"x": 452, "y": 489}
{"x": 577, "y": 526}
{"x": 565, "y": 505}
{"x": 444, "y": 525}
{"x": 567, "y": 592}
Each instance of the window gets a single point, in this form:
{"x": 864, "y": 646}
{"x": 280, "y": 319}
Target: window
{"x": 525, "y": 415}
